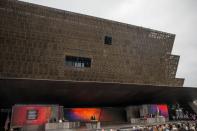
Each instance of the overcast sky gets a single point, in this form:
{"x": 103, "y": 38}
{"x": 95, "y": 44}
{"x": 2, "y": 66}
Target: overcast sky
{"x": 173, "y": 16}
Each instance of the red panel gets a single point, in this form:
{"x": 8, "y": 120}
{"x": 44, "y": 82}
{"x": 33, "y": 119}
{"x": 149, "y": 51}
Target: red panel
{"x": 19, "y": 116}
{"x": 164, "y": 110}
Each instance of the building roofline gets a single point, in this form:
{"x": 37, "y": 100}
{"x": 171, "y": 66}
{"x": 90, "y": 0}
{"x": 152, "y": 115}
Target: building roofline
{"x": 94, "y": 17}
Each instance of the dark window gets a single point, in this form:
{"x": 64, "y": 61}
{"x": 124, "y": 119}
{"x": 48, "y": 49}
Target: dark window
{"x": 108, "y": 40}
{"x": 78, "y": 62}
{"x": 32, "y": 114}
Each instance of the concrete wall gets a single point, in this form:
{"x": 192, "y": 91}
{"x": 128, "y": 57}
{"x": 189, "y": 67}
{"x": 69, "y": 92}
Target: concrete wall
{"x": 34, "y": 41}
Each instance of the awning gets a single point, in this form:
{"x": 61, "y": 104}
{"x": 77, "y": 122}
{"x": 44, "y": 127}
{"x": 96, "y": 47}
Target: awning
{"x": 86, "y": 93}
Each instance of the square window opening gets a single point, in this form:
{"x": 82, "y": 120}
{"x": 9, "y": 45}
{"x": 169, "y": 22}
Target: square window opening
{"x": 108, "y": 40}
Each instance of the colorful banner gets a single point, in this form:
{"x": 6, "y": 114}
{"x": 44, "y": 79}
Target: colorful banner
{"x": 100, "y": 114}
{"x": 159, "y": 109}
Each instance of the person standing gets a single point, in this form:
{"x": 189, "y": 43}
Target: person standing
{"x": 7, "y": 123}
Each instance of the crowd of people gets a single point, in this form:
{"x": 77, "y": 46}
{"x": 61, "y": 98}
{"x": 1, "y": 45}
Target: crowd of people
{"x": 173, "y": 126}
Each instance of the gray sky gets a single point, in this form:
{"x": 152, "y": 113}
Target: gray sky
{"x": 173, "y": 16}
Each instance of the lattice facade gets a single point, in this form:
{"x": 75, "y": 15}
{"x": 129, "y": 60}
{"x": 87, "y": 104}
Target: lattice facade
{"x": 35, "y": 40}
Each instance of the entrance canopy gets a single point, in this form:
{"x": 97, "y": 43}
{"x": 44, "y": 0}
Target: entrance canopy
{"x": 91, "y": 94}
